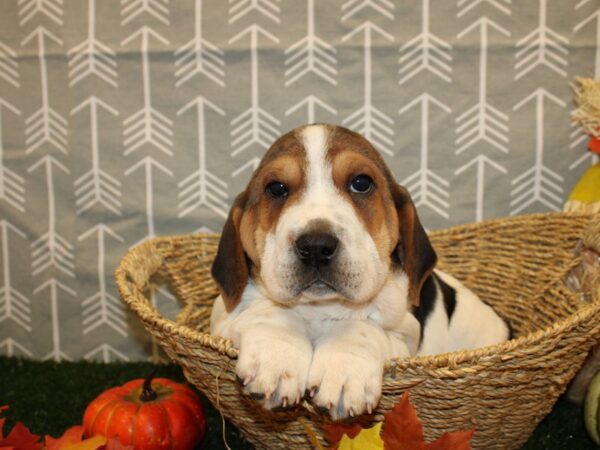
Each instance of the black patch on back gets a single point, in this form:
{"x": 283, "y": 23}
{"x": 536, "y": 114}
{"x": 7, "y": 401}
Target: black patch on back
{"x": 426, "y": 303}
{"x": 427, "y": 300}
{"x": 449, "y": 294}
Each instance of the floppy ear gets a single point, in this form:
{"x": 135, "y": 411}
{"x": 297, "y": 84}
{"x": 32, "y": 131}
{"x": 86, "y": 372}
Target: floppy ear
{"x": 414, "y": 251}
{"x": 229, "y": 268}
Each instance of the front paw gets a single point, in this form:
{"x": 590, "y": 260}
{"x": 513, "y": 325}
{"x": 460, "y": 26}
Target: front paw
{"x": 274, "y": 371}
{"x": 344, "y": 384}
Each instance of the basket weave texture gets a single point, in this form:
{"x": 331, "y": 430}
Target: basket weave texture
{"x": 517, "y": 265}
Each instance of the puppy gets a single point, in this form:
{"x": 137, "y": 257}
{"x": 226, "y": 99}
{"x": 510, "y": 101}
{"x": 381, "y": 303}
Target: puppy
{"x": 325, "y": 272}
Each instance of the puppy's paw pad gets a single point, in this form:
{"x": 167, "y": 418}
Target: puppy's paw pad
{"x": 348, "y": 385}
{"x": 274, "y": 373}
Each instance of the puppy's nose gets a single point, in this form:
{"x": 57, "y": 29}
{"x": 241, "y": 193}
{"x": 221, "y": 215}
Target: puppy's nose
{"x": 316, "y": 249}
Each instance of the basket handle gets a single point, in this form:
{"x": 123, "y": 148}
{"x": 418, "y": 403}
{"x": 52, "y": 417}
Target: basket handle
{"x": 133, "y": 276}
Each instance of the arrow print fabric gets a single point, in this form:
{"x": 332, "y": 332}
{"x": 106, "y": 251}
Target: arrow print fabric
{"x": 121, "y": 120}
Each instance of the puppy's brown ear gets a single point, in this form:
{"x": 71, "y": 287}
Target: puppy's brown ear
{"x": 414, "y": 251}
{"x": 229, "y": 268}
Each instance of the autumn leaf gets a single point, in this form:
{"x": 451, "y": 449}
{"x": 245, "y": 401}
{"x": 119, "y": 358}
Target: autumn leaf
{"x": 335, "y": 431}
{"x": 367, "y": 439}
{"x": 93, "y": 443}
{"x": 70, "y": 437}
{"x": 404, "y": 431}
{"x": 19, "y": 438}
{"x": 72, "y": 440}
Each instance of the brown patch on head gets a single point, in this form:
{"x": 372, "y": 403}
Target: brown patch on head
{"x": 285, "y": 162}
{"x": 351, "y": 155}
{"x": 388, "y": 212}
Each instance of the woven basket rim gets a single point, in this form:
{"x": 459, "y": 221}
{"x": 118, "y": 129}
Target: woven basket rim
{"x": 440, "y": 365}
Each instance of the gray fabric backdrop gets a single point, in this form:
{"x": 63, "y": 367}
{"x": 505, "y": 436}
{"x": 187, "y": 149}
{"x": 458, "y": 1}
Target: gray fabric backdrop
{"x": 121, "y": 120}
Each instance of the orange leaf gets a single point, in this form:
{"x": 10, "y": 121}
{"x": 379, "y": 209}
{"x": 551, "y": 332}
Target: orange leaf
{"x": 20, "y": 438}
{"x": 402, "y": 428}
{"x": 72, "y": 440}
{"x": 93, "y": 443}
{"x": 335, "y": 431}
{"x": 458, "y": 440}
{"x": 71, "y": 436}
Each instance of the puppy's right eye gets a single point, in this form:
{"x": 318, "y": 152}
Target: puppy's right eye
{"x": 277, "y": 189}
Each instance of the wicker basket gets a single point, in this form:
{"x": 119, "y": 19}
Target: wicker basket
{"x": 518, "y": 265}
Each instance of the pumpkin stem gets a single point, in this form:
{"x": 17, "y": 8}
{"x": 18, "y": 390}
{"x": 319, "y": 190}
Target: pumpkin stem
{"x": 148, "y": 394}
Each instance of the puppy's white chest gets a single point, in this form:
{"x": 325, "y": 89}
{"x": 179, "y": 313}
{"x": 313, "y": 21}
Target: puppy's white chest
{"x": 387, "y": 310}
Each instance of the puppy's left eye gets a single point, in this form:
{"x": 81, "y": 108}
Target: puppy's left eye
{"x": 361, "y": 184}
{"x": 277, "y": 189}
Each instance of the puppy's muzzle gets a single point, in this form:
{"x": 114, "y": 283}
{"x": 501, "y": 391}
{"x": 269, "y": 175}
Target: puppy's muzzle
{"x": 316, "y": 249}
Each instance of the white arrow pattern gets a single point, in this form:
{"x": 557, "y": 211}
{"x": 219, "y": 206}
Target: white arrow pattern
{"x": 199, "y": 56}
{"x": 92, "y": 57}
{"x": 105, "y": 353}
{"x": 51, "y": 249}
{"x": 148, "y": 164}
{"x": 55, "y": 287}
{"x": 156, "y": 8}
{"x": 539, "y": 183}
{"x": 426, "y": 187}
{"x": 148, "y": 125}
{"x": 353, "y": 7}
{"x": 52, "y": 9}
{"x": 311, "y": 54}
{"x": 45, "y": 125}
{"x": 103, "y": 308}
{"x": 13, "y": 305}
{"x": 202, "y": 188}
{"x": 240, "y": 8}
{"x": 482, "y": 122}
{"x": 425, "y": 52}
{"x": 255, "y": 125}
{"x": 115, "y": 115}
{"x": 543, "y": 46}
{"x": 96, "y": 185}
{"x": 9, "y": 347}
{"x": 371, "y": 122}
{"x": 12, "y": 185}
{"x": 594, "y": 19}
{"x": 465, "y": 6}
{"x": 9, "y": 66}
{"x": 479, "y": 162}
{"x": 311, "y": 102}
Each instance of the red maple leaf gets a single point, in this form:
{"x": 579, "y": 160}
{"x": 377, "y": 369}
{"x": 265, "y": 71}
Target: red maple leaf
{"x": 403, "y": 430}
{"x": 19, "y": 438}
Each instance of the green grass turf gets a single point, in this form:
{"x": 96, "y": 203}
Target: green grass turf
{"x": 49, "y": 398}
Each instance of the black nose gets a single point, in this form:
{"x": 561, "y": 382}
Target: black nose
{"x": 316, "y": 249}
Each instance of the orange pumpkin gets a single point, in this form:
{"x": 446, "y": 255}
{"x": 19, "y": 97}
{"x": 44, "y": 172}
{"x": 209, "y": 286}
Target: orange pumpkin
{"x": 149, "y": 414}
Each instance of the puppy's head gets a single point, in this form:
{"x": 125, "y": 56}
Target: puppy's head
{"x": 322, "y": 219}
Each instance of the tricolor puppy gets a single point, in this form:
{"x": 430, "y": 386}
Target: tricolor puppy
{"x": 325, "y": 272}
